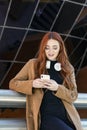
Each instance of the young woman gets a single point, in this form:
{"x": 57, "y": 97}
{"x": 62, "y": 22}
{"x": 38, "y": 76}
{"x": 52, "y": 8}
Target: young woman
{"x": 49, "y": 83}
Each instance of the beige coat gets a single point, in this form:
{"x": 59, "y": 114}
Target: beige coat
{"x": 22, "y": 83}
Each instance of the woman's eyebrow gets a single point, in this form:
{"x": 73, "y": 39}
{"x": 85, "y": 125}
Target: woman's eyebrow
{"x": 47, "y": 45}
{"x": 54, "y": 45}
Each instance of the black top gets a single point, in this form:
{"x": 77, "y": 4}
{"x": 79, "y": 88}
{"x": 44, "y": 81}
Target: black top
{"x": 52, "y": 105}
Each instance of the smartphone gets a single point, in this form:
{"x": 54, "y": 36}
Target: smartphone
{"x": 45, "y": 76}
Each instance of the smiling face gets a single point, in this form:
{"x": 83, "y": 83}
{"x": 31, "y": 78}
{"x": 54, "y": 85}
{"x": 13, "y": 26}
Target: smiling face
{"x": 52, "y": 49}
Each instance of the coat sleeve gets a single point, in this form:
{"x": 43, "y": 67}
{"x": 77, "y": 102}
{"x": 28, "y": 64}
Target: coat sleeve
{"x": 21, "y": 82}
{"x": 69, "y": 95}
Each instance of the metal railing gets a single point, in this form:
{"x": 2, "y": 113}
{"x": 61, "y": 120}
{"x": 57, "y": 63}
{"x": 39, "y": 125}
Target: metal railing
{"x": 20, "y": 124}
{"x": 12, "y": 99}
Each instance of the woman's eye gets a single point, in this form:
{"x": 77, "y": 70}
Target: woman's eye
{"x": 55, "y": 48}
{"x": 46, "y": 48}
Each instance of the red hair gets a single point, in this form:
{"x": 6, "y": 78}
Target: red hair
{"x": 62, "y": 56}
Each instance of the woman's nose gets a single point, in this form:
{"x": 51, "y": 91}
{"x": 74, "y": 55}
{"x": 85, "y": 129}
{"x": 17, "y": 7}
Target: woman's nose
{"x": 50, "y": 50}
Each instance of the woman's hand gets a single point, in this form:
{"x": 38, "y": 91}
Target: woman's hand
{"x": 43, "y": 83}
{"x": 50, "y": 84}
{"x": 38, "y": 83}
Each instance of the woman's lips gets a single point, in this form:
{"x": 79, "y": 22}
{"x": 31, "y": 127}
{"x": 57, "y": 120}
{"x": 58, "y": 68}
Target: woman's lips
{"x": 51, "y": 55}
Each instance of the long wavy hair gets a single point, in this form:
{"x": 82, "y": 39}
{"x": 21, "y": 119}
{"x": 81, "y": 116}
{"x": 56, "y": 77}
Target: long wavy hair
{"x": 62, "y": 58}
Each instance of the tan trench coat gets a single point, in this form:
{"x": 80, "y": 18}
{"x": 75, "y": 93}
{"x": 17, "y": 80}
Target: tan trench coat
{"x": 22, "y": 83}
